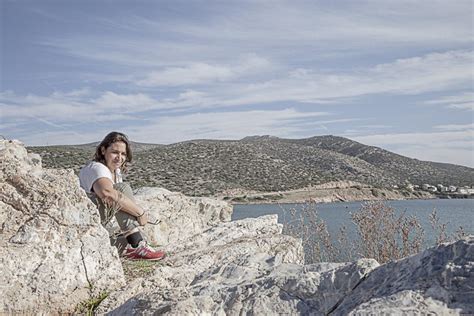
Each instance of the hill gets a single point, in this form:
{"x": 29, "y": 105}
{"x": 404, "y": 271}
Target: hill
{"x": 412, "y": 170}
{"x": 264, "y": 163}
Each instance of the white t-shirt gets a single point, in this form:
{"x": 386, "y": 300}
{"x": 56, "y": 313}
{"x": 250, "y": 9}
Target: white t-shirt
{"x": 93, "y": 171}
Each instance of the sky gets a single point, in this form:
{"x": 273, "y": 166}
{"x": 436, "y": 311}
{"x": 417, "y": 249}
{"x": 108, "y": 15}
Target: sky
{"x": 392, "y": 74}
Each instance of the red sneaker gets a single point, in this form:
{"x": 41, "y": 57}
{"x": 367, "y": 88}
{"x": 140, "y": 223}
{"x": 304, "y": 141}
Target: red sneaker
{"x": 143, "y": 252}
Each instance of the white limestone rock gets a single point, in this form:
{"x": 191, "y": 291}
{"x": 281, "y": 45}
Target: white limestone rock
{"x": 180, "y": 216}
{"x": 250, "y": 246}
{"x": 437, "y": 281}
{"x": 249, "y": 284}
{"x": 249, "y": 275}
{"x": 54, "y": 253}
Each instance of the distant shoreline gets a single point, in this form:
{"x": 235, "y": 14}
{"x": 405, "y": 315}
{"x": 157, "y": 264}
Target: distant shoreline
{"x": 324, "y": 202}
{"x": 341, "y": 193}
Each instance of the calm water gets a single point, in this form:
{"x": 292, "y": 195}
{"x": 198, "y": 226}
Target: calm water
{"x": 455, "y": 213}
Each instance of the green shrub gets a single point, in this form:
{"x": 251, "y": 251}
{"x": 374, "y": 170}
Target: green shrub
{"x": 375, "y": 192}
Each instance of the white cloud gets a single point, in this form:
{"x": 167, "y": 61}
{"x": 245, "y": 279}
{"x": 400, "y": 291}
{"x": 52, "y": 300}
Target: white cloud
{"x": 374, "y": 126}
{"x": 202, "y": 73}
{"x": 213, "y": 125}
{"x": 74, "y": 106}
{"x": 357, "y": 130}
{"x": 62, "y": 137}
{"x": 223, "y": 125}
{"x": 462, "y": 106}
{"x": 460, "y": 98}
{"x": 455, "y": 127}
{"x": 462, "y": 101}
{"x": 44, "y": 107}
{"x": 222, "y": 84}
{"x": 72, "y": 94}
{"x": 124, "y": 102}
{"x": 434, "y": 139}
{"x": 197, "y": 73}
{"x": 455, "y": 146}
{"x": 458, "y": 156}
{"x": 311, "y": 29}
{"x": 432, "y": 72}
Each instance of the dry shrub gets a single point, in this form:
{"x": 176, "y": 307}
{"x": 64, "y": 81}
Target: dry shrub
{"x": 382, "y": 234}
{"x": 459, "y": 234}
{"x": 440, "y": 231}
{"x": 438, "y": 227}
{"x": 319, "y": 246}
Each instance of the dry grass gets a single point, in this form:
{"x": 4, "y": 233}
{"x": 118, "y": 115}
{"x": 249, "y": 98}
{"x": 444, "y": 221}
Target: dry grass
{"x": 381, "y": 234}
{"x": 134, "y": 269}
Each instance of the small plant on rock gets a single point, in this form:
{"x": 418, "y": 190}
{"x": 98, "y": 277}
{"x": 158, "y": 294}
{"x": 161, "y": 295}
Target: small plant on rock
{"x": 88, "y": 307}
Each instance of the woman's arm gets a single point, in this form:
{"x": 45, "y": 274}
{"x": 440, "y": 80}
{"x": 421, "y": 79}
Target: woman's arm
{"x": 104, "y": 189}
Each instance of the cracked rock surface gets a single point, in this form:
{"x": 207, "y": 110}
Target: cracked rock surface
{"x": 180, "y": 217}
{"x": 54, "y": 253}
{"x": 259, "y": 271}
{"x": 437, "y": 281}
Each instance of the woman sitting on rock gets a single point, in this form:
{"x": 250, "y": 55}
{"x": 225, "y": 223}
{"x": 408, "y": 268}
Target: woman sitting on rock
{"x": 102, "y": 181}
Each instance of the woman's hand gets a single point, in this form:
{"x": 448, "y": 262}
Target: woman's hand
{"x": 143, "y": 219}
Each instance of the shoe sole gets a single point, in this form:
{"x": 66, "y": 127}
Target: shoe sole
{"x": 145, "y": 259}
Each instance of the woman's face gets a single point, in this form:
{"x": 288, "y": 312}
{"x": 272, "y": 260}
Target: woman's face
{"x": 115, "y": 155}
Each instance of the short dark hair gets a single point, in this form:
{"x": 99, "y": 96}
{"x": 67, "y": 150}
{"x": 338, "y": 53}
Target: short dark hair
{"x": 111, "y": 138}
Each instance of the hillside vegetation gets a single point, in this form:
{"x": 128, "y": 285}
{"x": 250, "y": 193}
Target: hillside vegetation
{"x": 264, "y": 163}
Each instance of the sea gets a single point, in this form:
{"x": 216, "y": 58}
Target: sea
{"x": 452, "y": 214}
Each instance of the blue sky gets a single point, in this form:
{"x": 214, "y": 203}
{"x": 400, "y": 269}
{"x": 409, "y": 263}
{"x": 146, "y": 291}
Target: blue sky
{"x": 394, "y": 74}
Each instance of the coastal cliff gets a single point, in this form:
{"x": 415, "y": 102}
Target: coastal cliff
{"x": 56, "y": 257}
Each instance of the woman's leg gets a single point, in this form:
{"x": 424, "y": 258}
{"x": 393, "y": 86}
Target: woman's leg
{"x": 130, "y": 233}
{"x": 125, "y": 221}
{"x": 128, "y": 223}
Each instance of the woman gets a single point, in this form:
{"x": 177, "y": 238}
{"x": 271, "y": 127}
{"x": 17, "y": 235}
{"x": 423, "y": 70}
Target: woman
{"x": 102, "y": 181}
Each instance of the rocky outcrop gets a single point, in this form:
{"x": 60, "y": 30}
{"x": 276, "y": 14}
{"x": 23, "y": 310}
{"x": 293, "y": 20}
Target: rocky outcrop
{"x": 54, "y": 253}
{"x": 236, "y": 277}
{"x": 180, "y": 217}
{"x": 225, "y": 255}
{"x": 438, "y": 281}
